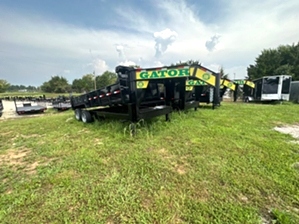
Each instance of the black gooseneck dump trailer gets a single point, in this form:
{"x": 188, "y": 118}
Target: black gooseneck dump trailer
{"x": 127, "y": 99}
{"x": 1, "y": 108}
{"x": 207, "y": 88}
{"x": 139, "y": 94}
{"x": 242, "y": 85}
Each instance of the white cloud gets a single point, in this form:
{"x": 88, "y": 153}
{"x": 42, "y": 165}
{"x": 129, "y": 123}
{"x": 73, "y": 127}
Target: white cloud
{"x": 120, "y": 50}
{"x": 127, "y": 63}
{"x": 158, "y": 64}
{"x": 163, "y": 39}
{"x": 100, "y": 66}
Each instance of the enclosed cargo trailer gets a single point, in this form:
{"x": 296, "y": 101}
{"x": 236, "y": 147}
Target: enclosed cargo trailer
{"x": 269, "y": 88}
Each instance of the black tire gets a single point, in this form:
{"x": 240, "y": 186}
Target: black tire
{"x": 78, "y": 114}
{"x": 86, "y": 116}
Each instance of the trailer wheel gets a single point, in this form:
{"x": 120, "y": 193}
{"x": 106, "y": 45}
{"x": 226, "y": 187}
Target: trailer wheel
{"x": 78, "y": 114}
{"x": 86, "y": 116}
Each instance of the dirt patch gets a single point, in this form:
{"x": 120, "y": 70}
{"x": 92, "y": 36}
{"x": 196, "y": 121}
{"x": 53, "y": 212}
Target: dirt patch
{"x": 180, "y": 169}
{"x": 15, "y": 158}
{"x": 292, "y": 130}
{"x": 164, "y": 153}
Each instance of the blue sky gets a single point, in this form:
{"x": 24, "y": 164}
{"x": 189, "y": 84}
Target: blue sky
{"x": 40, "y": 39}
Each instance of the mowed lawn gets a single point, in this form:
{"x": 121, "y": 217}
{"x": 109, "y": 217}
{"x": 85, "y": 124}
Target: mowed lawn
{"x": 208, "y": 166}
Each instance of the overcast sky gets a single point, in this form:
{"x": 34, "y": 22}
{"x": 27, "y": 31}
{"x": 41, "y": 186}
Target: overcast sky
{"x": 70, "y": 38}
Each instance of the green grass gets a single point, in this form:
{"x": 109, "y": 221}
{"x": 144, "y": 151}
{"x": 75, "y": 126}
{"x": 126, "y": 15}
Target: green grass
{"x": 210, "y": 166}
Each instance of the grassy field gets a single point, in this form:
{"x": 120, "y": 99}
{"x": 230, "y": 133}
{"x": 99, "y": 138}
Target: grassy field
{"x": 210, "y": 166}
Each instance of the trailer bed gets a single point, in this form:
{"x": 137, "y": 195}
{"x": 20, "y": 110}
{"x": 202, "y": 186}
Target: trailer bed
{"x": 28, "y": 108}
{"x": 62, "y": 106}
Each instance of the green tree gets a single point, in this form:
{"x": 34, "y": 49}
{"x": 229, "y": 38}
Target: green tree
{"x": 284, "y": 60}
{"x": 4, "y": 85}
{"x": 107, "y": 78}
{"x": 57, "y": 84}
{"x": 86, "y": 83}
{"x": 222, "y": 73}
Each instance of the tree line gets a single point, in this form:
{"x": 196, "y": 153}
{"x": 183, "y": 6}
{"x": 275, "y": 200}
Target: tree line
{"x": 59, "y": 84}
{"x": 284, "y": 60}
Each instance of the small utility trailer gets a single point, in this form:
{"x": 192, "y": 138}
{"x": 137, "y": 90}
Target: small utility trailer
{"x": 1, "y": 108}
{"x": 28, "y": 108}
{"x": 139, "y": 94}
{"x": 269, "y": 88}
{"x": 61, "y": 103}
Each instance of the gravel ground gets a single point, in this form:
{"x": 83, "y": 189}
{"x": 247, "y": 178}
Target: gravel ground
{"x": 10, "y": 110}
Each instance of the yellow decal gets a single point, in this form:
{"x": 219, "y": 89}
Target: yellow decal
{"x": 142, "y": 84}
{"x": 162, "y": 74}
{"x": 221, "y": 86}
{"x": 229, "y": 84}
{"x": 189, "y": 88}
{"x": 195, "y": 83}
{"x": 206, "y": 76}
{"x": 249, "y": 83}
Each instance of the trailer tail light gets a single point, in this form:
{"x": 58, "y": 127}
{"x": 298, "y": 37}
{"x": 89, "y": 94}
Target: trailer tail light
{"x": 116, "y": 92}
{"x": 89, "y": 98}
{"x": 95, "y": 97}
{"x": 161, "y": 98}
{"x": 102, "y": 95}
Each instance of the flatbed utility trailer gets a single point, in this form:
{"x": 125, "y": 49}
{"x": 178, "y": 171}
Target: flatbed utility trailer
{"x": 269, "y": 88}
{"x": 1, "y": 107}
{"x": 61, "y": 103}
{"x": 28, "y": 108}
{"x": 139, "y": 94}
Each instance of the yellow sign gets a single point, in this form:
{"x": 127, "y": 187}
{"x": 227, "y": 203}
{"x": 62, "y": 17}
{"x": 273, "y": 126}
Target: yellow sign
{"x": 195, "y": 83}
{"x": 189, "y": 88}
{"x": 229, "y": 84}
{"x": 204, "y": 75}
{"x": 162, "y": 73}
{"x": 142, "y": 84}
{"x": 249, "y": 83}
